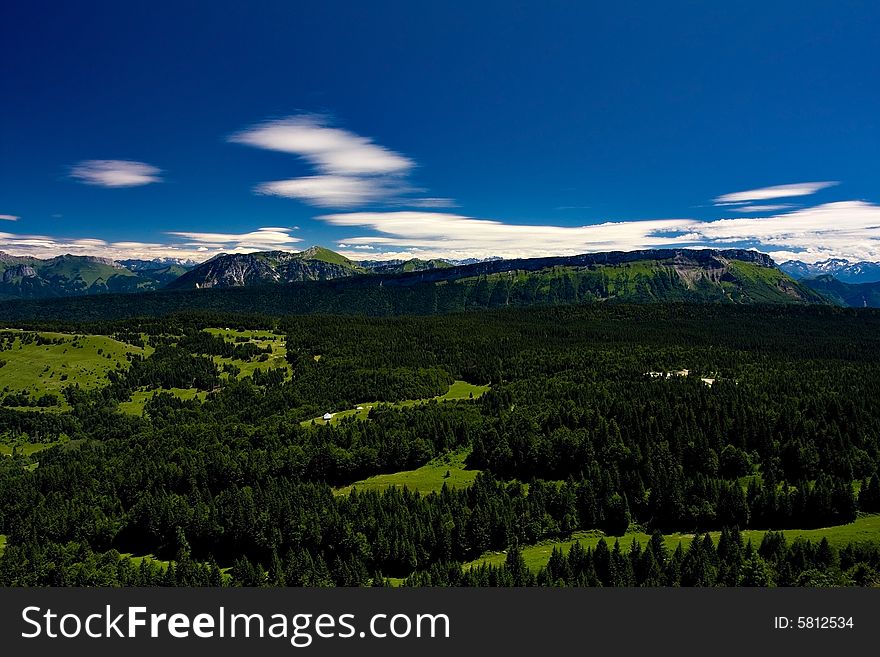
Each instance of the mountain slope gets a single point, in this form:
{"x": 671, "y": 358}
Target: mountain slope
{"x": 854, "y": 295}
{"x": 404, "y": 266}
{"x": 67, "y": 275}
{"x": 160, "y": 270}
{"x": 659, "y": 276}
{"x": 266, "y": 267}
{"x": 650, "y": 276}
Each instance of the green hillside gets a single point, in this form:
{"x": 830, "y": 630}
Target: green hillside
{"x": 854, "y": 295}
{"x": 326, "y": 288}
{"x": 39, "y": 363}
{"x": 67, "y": 275}
{"x": 320, "y": 254}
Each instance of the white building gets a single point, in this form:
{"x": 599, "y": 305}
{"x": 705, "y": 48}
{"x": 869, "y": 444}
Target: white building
{"x": 327, "y": 416}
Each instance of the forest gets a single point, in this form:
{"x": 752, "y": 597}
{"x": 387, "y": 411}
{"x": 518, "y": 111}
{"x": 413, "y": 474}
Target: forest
{"x": 617, "y": 420}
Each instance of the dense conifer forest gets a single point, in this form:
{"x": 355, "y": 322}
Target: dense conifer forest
{"x": 649, "y": 418}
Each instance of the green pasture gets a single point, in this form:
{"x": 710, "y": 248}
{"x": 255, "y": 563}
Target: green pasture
{"x": 25, "y": 448}
{"x": 135, "y": 405}
{"x": 428, "y": 479}
{"x": 458, "y": 390}
{"x": 84, "y": 360}
{"x": 865, "y": 528}
{"x": 278, "y": 357}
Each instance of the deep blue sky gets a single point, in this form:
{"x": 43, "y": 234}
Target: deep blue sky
{"x": 564, "y": 114}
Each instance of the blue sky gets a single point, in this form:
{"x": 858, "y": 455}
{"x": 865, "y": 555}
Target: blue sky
{"x": 439, "y": 129}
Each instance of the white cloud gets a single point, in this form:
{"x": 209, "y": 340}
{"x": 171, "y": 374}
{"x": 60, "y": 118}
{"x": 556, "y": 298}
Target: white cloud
{"x": 445, "y": 235}
{"x": 9, "y": 217}
{"x": 844, "y": 229}
{"x": 189, "y": 245}
{"x": 849, "y": 229}
{"x": 350, "y": 170}
{"x": 328, "y": 191}
{"x": 262, "y": 239}
{"x": 330, "y": 150}
{"x": 115, "y": 173}
{"x": 777, "y": 191}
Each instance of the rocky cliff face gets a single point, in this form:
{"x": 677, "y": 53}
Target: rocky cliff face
{"x": 244, "y": 269}
{"x": 18, "y": 272}
{"x": 704, "y": 260}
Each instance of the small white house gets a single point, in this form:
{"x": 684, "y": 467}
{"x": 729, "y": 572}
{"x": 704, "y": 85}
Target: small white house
{"x": 360, "y": 408}
{"x": 327, "y": 416}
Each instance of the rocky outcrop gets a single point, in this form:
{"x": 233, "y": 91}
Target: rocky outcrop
{"x": 245, "y": 269}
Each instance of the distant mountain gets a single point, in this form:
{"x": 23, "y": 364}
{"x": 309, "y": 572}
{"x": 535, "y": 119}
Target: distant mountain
{"x": 473, "y": 261}
{"x": 135, "y": 264}
{"x": 854, "y": 295}
{"x": 160, "y": 270}
{"x": 652, "y": 276}
{"x": 266, "y": 267}
{"x": 403, "y": 266}
{"x": 23, "y": 277}
{"x": 843, "y": 270}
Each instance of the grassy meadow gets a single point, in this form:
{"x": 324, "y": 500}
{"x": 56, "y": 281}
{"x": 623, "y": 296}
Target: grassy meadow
{"x": 865, "y": 528}
{"x": 278, "y": 357}
{"x": 85, "y": 360}
{"x": 135, "y": 405}
{"x": 457, "y": 390}
{"x": 429, "y": 478}
{"x": 78, "y": 359}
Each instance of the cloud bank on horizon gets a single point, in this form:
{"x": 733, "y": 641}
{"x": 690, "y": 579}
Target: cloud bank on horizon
{"x": 849, "y": 229}
{"x": 349, "y": 171}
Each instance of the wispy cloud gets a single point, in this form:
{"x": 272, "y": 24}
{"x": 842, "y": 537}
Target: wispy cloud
{"x": 181, "y": 244}
{"x": 845, "y": 229}
{"x": 9, "y": 217}
{"x": 330, "y": 150}
{"x": 330, "y": 191}
{"x": 262, "y": 239}
{"x": 350, "y": 170}
{"x": 437, "y": 234}
{"x": 849, "y": 229}
{"x": 777, "y": 191}
{"x": 115, "y": 173}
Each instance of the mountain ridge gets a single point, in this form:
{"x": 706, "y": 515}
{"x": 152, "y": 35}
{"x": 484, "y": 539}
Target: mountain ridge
{"x": 853, "y": 295}
{"x": 707, "y": 276}
{"x": 261, "y": 267}
{"x": 846, "y": 271}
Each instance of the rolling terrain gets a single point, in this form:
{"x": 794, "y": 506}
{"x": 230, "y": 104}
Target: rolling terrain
{"x": 252, "y": 283}
{"x": 195, "y": 440}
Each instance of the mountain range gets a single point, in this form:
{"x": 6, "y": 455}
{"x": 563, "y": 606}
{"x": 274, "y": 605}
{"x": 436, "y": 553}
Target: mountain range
{"x": 846, "y": 271}
{"x": 658, "y": 275}
{"x": 318, "y": 280}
